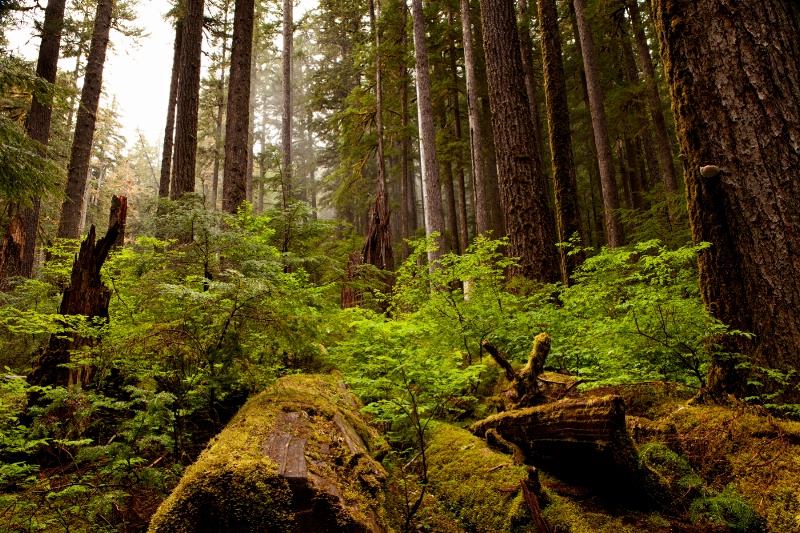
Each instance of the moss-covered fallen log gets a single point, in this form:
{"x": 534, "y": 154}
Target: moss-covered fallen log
{"x": 477, "y": 485}
{"x": 294, "y": 459}
{"x": 587, "y": 436}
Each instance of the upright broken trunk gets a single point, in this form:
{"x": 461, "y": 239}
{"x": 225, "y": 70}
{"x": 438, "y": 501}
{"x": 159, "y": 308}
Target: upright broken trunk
{"x": 294, "y": 459}
{"x": 85, "y": 296}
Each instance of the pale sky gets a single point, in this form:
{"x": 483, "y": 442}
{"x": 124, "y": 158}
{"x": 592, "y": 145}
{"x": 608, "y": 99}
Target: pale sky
{"x": 138, "y": 75}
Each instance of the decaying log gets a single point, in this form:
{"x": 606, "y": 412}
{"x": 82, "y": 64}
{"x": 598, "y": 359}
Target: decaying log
{"x": 86, "y": 295}
{"x": 524, "y": 390}
{"x": 588, "y": 434}
{"x": 295, "y": 458}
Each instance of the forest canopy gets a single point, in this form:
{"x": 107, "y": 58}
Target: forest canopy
{"x": 418, "y": 217}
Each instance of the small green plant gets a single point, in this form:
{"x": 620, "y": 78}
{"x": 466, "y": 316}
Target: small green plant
{"x": 726, "y": 508}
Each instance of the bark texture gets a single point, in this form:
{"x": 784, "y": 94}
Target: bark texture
{"x": 169, "y": 129}
{"x": 475, "y": 140}
{"x": 432, "y": 194}
{"x": 237, "y": 127}
{"x": 531, "y": 83}
{"x": 188, "y": 101}
{"x": 565, "y": 183}
{"x": 523, "y": 190}
{"x": 734, "y": 77}
{"x": 70, "y": 219}
{"x": 605, "y": 158}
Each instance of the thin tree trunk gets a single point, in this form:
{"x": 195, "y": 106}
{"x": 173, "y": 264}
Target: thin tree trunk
{"x": 463, "y": 225}
{"x": 523, "y": 189}
{"x": 169, "y": 130}
{"x": 185, "y": 156}
{"x": 251, "y": 128}
{"x": 408, "y": 204}
{"x": 218, "y": 142}
{"x": 605, "y": 158}
{"x": 475, "y": 140}
{"x": 565, "y": 184}
{"x": 377, "y": 248}
{"x": 738, "y": 122}
{"x": 526, "y": 49}
{"x": 69, "y": 221}
{"x": 660, "y": 125}
{"x": 432, "y": 196}
{"x": 451, "y": 218}
{"x": 19, "y": 243}
{"x": 286, "y": 122}
{"x": 237, "y": 127}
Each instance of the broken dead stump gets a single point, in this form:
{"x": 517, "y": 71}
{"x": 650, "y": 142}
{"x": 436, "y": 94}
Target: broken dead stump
{"x": 524, "y": 390}
{"x": 85, "y": 296}
{"x": 587, "y": 438}
{"x": 295, "y": 458}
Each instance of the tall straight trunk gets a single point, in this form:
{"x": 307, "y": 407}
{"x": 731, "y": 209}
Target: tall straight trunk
{"x": 218, "y": 142}
{"x": 237, "y": 126}
{"x": 185, "y": 156}
{"x": 19, "y": 243}
{"x": 663, "y": 144}
{"x": 461, "y": 194}
{"x": 605, "y": 158}
{"x": 475, "y": 139}
{"x": 251, "y": 129}
{"x": 523, "y": 188}
{"x": 286, "y": 121}
{"x": 377, "y": 248}
{"x": 631, "y": 76}
{"x": 646, "y": 133}
{"x": 738, "y": 123}
{"x": 526, "y": 49}
{"x": 565, "y": 184}
{"x": 451, "y": 218}
{"x": 432, "y": 195}
{"x": 169, "y": 130}
{"x": 408, "y": 204}
{"x": 69, "y": 221}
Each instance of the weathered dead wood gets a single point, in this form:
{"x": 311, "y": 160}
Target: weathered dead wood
{"x": 576, "y": 433}
{"x": 351, "y": 295}
{"x": 524, "y": 390}
{"x": 86, "y": 295}
{"x": 295, "y": 459}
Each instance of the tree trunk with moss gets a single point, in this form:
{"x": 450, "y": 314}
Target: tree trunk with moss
{"x": 565, "y": 182}
{"x": 734, "y": 77}
{"x": 169, "y": 129}
{"x": 523, "y": 190}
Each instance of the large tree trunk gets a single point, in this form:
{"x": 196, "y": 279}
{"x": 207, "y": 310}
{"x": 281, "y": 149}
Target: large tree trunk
{"x": 432, "y": 194}
{"x": 654, "y": 100}
{"x": 19, "y": 243}
{"x": 169, "y": 130}
{"x": 523, "y": 189}
{"x": 475, "y": 141}
{"x": 69, "y": 221}
{"x": 605, "y": 158}
{"x": 734, "y": 77}
{"x": 286, "y": 121}
{"x": 565, "y": 183}
{"x": 237, "y": 127}
{"x": 86, "y": 296}
{"x": 377, "y": 248}
{"x": 185, "y": 157}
